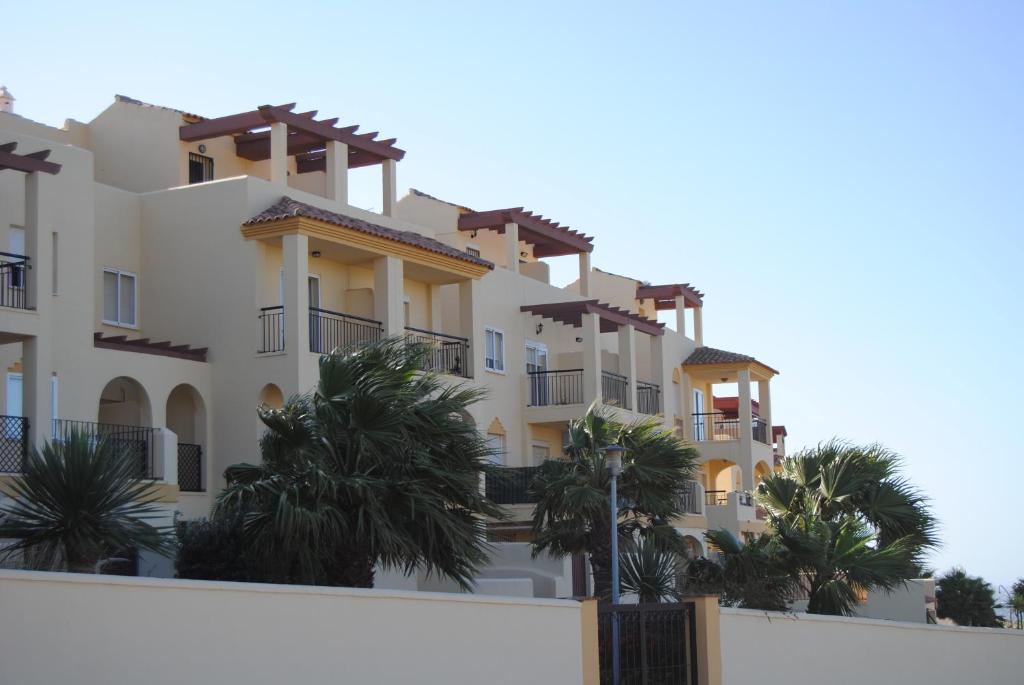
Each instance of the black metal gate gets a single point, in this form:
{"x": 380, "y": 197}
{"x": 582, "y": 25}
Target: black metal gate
{"x": 657, "y": 643}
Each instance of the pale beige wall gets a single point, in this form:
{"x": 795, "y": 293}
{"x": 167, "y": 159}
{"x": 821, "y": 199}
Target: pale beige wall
{"x": 852, "y": 651}
{"x": 121, "y": 630}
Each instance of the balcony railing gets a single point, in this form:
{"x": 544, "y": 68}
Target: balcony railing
{"x": 716, "y": 426}
{"x": 716, "y": 498}
{"x": 615, "y": 389}
{"x": 271, "y": 329}
{"x": 14, "y": 280}
{"x": 136, "y": 443}
{"x": 190, "y": 467}
{"x": 445, "y": 354}
{"x": 550, "y": 388}
{"x": 510, "y": 485}
{"x": 689, "y": 499}
{"x": 13, "y": 443}
{"x": 329, "y": 330}
{"x": 648, "y": 398}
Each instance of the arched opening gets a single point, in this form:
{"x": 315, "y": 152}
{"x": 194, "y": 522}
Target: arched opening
{"x": 761, "y": 471}
{"x": 272, "y": 396}
{"x": 692, "y": 549}
{"x": 721, "y": 477}
{"x": 186, "y": 417}
{"x": 124, "y": 402}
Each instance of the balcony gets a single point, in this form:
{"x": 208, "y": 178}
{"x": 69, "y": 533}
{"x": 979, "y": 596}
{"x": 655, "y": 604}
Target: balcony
{"x": 554, "y": 388}
{"x": 327, "y": 330}
{"x": 13, "y": 280}
{"x": 13, "y": 443}
{"x": 615, "y": 389}
{"x": 715, "y": 426}
{"x": 691, "y": 501}
{"x": 445, "y": 353}
{"x": 137, "y": 443}
{"x": 510, "y": 485}
{"x": 648, "y": 398}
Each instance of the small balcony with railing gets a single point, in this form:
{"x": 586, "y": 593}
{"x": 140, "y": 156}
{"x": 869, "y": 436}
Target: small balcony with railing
{"x": 14, "y": 280}
{"x": 555, "y": 388}
{"x": 447, "y": 354}
{"x": 718, "y": 426}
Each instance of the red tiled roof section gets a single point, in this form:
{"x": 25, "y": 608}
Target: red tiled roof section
{"x": 286, "y": 208}
{"x": 711, "y": 355}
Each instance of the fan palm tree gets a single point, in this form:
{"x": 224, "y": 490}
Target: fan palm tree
{"x": 373, "y": 467}
{"x": 967, "y": 600}
{"x": 573, "y": 515}
{"x": 750, "y": 576}
{"x": 848, "y": 522}
{"x": 78, "y": 503}
{"x": 651, "y": 572}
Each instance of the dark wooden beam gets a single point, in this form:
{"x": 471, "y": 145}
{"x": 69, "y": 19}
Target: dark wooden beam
{"x": 226, "y": 126}
{"x": 8, "y": 147}
{"x": 28, "y": 163}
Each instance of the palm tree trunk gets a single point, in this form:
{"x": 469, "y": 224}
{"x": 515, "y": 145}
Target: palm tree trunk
{"x": 600, "y": 563}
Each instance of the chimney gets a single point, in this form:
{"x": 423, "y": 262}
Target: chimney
{"x": 6, "y": 100}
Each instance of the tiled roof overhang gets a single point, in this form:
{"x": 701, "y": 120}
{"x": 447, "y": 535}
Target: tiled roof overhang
{"x": 307, "y": 137}
{"x": 548, "y": 238}
{"x": 664, "y": 296}
{"x": 710, "y": 356}
{"x": 571, "y": 313}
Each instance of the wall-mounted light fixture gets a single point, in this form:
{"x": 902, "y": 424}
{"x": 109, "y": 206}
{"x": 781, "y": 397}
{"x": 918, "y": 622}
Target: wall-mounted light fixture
{"x": 202, "y": 148}
{"x": 579, "y": 339}
{"x": 540, "y": 328}
{"x": 316, "y": 253}
{"x": 473, "y": 234}
{"x": 522, "y": 254}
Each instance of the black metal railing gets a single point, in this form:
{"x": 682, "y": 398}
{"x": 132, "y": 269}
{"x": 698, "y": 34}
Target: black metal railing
{"x": 329, "y": 330}
{"x": 760, "y": 430}
{"x": 549, "y": 388}
{"x": 615, "y": 389}
{"x": 14, "y": 280}
{"x": 689, "y": 499}
{"x": 271, "y": 329}
{"x": 716, "y": 498}
{"x": 715, "y": 426}
{"x": 190, "y": 467}
{"x": 648, "y": 398}
{"x": 446, "y": 353}
{"x": 657, "y": 643}
{"x": 13, "y": 443}
{"x": 510, "y": 484}
{"x": 136, "y": 443}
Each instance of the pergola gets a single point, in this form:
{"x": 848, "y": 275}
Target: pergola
{"x": 680, "y": 297}
{"x": 611, "y": 318}
{"x": 274, "y": 132}
{"x": 32, "y": 162}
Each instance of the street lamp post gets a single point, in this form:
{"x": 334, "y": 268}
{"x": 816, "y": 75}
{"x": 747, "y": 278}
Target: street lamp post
{"x": 613, "y": 458}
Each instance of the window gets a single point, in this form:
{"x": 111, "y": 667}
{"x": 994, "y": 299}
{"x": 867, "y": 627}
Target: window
{"x": 119, "y": 298}
{"x": 496, "y": 444}
{"x": 54, "y": 404}
{"x": 494, "y": 350}
{"x": 541, "y": 452}
{"x": 16, "y": 273}
{"x": 473, "y": 250}
{"x": 55, "y": 267}
{"x": 200, "y": 168}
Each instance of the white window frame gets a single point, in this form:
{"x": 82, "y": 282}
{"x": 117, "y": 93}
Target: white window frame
{"x": 497, "y": 457}
{"x": 490, "y": 363}
{"x": 135, "y": 314}
{"x": 544, "y": 444}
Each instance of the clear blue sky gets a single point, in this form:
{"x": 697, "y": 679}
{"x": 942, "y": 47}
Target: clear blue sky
{"x": 843, "y": 180}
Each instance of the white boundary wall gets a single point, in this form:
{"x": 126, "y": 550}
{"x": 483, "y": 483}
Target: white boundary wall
{"x": 108, "y": 630}
{"x": 771, "y": 648}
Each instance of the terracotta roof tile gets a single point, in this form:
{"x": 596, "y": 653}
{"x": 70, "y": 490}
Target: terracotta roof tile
{"x": 711, "y": 355}
{"x": 286, "y": 207}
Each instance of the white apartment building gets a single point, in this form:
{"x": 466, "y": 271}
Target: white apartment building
{"x": 164, "y": 273}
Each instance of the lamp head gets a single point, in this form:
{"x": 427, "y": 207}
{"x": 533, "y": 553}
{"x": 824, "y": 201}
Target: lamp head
{"x": 613, "y": 457}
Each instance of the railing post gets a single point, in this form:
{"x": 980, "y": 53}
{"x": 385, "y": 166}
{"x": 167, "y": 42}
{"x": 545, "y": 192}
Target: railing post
{"x": 708, "y": 631}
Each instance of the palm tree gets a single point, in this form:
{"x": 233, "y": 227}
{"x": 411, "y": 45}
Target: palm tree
{"x": 80, "y": 502}
{"x": 967, "y": 600}
{"x": 750, "y": 576}
{"x": 848, "y": 522}
{"x": 651, "y": 572}
{"x": 573, "y": 515}
{"x": 374, "y": 467}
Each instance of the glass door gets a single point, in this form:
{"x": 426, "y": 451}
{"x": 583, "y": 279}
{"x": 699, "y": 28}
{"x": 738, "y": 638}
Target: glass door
{"x": 316, "y": 341}
{"x": 536, "y": 365}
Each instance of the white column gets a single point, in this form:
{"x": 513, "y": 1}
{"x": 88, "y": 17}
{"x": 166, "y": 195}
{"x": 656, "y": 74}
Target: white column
{"x": 660, "y": 371}
{"x": 295, "y": 254}
{"x": 591, "y": 358}
{"x": 436, "y": 317}
{"x": 337, "y": 171}
{"x": 37, "y": 352}
{"x": 512, "y": 247}
{"x": 388, "y": 290}
{"x": 627, "y": 363}
{"x": 746, "y": 461}
{"x": 279, "y": 153}
{"x": 764, "y": 403}
{"x": 389, "y": 181}
{"x": 686, "y": 406}
{"x": 680, "y": 315}
{"x": 585, "y": 274}
{"x": 471, "y": 324}
{"x": 165, "y": 455}
{"x": 698, "y": 326}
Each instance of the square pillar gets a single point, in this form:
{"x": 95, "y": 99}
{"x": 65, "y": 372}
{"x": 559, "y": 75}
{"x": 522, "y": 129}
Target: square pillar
{"x": 585, "y": 274}
{"x": 471, "y": 323}
{"x": 37, "y": 352}
{"x": 686, "y": 408}
{"x": 435, "y": 317}
{"x": 746, "y": 430}
{"x": 165, "y": 454}
{"x": 698, "y": 326}
{"x": 279, "y": 153}
{"x": 680, "y": 315}
{"x": 337, "y": 171}
{"x": 388, "y": 290}
{"x": 591, "y": 325}
{"x": 764, "y": 401}
{"x": 512, "y": 247}
{"x": 389, "y": 181}
{"x": 627, "y": 363}
{"x": 659, "y": 370}
{"x": 295, "y": 254}
{"x": 709, "y": 639}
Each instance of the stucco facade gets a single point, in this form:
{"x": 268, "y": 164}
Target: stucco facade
{"x": 159, "y": 293}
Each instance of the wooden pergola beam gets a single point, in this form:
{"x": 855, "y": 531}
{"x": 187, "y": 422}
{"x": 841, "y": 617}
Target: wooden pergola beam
{"x": 548, "y": 237}
{"x": 229, "y": 125}
{"x": 35, "y": 161}
{"x": 611, "y": 318}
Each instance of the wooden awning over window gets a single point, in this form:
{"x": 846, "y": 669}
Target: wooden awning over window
{"x": 571, "y": 314}
{"x": 549, "y": 239}
{"x": 307, "y": 137}
{"x": 33, "y": 161}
